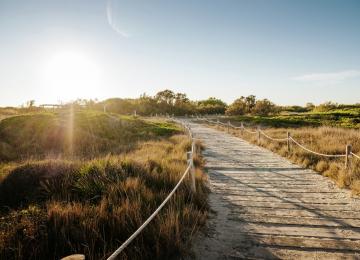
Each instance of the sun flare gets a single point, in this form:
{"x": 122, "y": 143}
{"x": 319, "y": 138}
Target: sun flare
{"x": 71, "y": 75}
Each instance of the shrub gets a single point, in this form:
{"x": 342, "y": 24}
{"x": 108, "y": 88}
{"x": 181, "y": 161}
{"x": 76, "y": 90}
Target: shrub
{"x": 263, "y": 108}
{"x": 58, "y": 208}
{"x": 238, "y": 107}
{"x": 23, "y": 185}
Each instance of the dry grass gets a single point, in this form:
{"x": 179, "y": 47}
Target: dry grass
{"x": 326, "y": 140}
{"x": 53, "y": 208}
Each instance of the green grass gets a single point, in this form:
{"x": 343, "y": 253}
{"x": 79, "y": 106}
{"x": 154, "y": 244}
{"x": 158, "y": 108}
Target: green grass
{"x": 83, "y": 134}
{"x": 348, "y": 118}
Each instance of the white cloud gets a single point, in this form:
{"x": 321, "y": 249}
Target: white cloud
{"x": 331, "y": 76}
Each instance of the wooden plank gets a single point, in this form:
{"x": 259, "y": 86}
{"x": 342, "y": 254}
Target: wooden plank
{"x": 267, "y": 208}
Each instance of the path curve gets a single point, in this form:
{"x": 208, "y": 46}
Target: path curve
{"x": 265, "y": 207}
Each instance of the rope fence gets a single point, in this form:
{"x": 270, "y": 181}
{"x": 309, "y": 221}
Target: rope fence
{"x": 249, "y": 131}
{"x": 190, "y": 169}
{"x": 348, "y": 153}
{"x": 138, "y": 231}
{"x": 316, "y": 153}
{"x": 273, "y": 139}
{"x": 355, "y": 155}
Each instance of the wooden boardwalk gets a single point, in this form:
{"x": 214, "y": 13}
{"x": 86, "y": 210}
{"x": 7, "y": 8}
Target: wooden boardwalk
{"x": 264, "y": 207}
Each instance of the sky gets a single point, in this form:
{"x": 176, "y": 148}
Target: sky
{"x": 291, "y": 52}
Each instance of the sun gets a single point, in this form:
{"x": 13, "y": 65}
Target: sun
{"x": 70, "y": 75}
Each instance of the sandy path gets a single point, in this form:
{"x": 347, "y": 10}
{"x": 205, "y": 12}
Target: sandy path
{"x": 267, "y": 208}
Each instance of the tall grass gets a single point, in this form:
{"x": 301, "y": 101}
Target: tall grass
{"x": 326, "y": 140}
{"x": 54, "y": 208}
{"x": 55, "y": 203}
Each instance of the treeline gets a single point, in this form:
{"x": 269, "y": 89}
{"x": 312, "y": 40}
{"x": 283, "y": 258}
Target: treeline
{"x": 178, "y": 104}
{"x": 249, "y": 105}
{"x": 169, "y": 102}
{"x": 164, "y": 102}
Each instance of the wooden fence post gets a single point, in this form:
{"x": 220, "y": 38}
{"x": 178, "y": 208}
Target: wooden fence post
{"x": 228, "y": 127}
{"x": 258, "y": 130}
{"x": 348, "y": 152}
{"x": 242, "y": 128}
{"x": 288, "y": 141}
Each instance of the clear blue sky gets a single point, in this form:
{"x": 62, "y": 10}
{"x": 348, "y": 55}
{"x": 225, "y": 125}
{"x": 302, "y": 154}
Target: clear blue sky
{"x": 291, "y": 52}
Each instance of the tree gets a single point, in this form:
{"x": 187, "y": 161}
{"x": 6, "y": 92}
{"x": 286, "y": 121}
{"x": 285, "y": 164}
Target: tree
{"x": 250, "y": 103}
{"x": 30, "y": 103}
{"x": 310, "y": 106}
{"x": 166, "y": 96}
{"x": 263, "y": 107}
{"x": 211, "y": 106}
{"x": 238, "y": 107}
{"x": 181, "y": 98}
{"x": 327, "y": 106}
{"x": 183, "y": 105}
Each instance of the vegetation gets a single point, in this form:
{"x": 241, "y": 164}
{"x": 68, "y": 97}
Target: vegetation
{"x": 211, "y": 106}
{"x": 164, "y": 102}
{"x": 74, "y": 179}
{"x": 344, "y": 117}
{"x": 249, "y": 109}
{"x": 7, "y": 112}
{"x": 249, "y": 105}
{"x": 326, "y": 140}
{"x": 93, "y": 199}
{"x": 74, "y": 133}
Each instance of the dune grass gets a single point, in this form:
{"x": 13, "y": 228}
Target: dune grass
{"x": 74, "y": 133}
{"x": 51, "y": 208}
{"x": 326, "y": 140}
